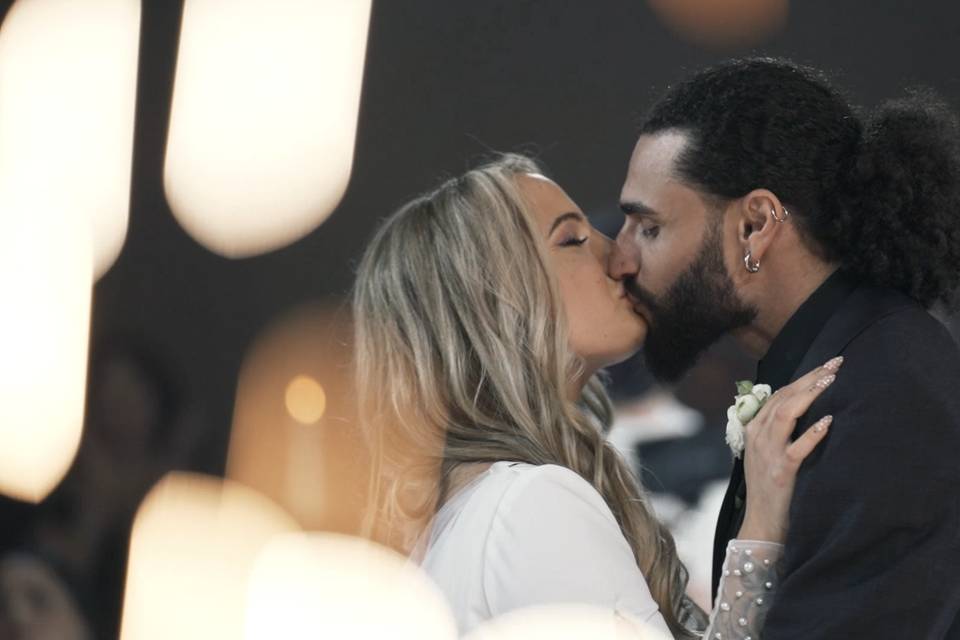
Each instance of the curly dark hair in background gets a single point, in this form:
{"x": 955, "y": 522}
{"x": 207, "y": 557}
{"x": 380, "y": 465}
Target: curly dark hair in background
{"x": 879, "y": 196}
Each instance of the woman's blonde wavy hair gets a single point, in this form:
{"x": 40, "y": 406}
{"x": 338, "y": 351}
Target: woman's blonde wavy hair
{"x": 462, "y": 357}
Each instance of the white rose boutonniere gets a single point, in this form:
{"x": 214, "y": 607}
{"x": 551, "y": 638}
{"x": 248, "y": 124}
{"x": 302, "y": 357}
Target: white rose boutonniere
{"x": 747, "y": 403}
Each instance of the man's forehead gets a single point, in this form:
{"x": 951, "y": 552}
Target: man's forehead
{"x": 655, "y": 154}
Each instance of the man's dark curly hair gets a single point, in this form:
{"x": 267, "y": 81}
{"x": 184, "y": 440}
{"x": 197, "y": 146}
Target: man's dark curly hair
{"x": 878, "y": 195}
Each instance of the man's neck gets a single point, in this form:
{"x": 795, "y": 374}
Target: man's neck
{"x": 777, "y": 308}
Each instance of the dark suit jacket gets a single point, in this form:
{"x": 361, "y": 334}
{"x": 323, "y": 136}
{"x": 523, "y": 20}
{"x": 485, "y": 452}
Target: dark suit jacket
{"x": 873, "y": 549}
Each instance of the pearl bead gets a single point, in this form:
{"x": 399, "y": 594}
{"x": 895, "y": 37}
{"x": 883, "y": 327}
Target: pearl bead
{"x": 768, "y": 585}
{"x": 726, "y": 572}
{"x": 724, "y": 606}
{"x": 759, "y": 602}
{"x": 742, "y": 622}
{"x": 748, "y": 567}
{"x": 766, "y": 562}
{"x": 737, "y": 573}
{"x": 739, "y": 594}
{"x": 718, "y": 636}
{"x": 749, "y": 552}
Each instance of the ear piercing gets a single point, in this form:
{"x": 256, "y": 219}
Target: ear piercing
{"x": 752, "y": 265}
{"x": 786, "y": 214}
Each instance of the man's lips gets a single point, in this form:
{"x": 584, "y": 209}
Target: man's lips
{"x": 640, "y": 310}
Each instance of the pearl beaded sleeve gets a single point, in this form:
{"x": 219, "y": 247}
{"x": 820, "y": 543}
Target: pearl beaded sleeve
{"x": 747, "y": 587}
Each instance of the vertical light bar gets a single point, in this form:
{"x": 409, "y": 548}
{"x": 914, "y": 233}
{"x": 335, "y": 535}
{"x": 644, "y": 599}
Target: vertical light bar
{"x": 45, "y": 282}
{"x": 264, "y": 118}
{"x": 68, "y": 85}
{"x": 67, "y": 95}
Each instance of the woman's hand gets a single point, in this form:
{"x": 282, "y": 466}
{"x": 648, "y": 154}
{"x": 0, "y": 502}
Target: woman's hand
{"x": 771, "y": 460}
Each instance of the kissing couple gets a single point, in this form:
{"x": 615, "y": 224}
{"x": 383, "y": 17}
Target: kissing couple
{"x": 758, "y": 203}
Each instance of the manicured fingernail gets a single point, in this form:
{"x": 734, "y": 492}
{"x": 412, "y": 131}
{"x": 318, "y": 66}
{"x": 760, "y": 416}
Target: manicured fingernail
{"x": 822, "y": 424}
{"x": 823, "y": 383}
{"x": 834, "y": 364}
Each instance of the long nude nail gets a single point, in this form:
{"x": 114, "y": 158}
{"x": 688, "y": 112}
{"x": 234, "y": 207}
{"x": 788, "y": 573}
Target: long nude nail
{"x": 823, "y": 383}
{"x": 834, "y": 364}
{"x": 822, "y": 424}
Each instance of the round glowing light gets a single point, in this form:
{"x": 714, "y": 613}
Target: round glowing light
{"x": 306, "y": 400}
{"x": 194, "y": 543}
{"x": 335, "y": 586}
{"x": 264, "y": 118}
{"x": 564, "y": 622}
{"x": 276, "y": 445}
{"x": 723, "y": 23}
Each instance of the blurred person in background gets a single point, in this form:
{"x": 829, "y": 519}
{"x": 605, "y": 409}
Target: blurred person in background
{"x": 483, "y": 315}
{"x": 36, "y": 600}
{"x": 759, "y": 203}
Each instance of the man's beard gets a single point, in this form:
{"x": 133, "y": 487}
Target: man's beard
{"x": 695, "y": 312}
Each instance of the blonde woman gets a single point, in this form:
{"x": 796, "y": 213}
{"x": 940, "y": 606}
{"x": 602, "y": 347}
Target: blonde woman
{"x": 483, "y": 315}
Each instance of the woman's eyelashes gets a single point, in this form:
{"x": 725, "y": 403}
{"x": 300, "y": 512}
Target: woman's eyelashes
{"x": 573, "y": 241}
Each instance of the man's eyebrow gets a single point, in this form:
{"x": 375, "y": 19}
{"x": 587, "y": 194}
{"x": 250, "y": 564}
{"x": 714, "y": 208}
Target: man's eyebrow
{"x": 563, "y": 217}
{"x": 636, "y": 208}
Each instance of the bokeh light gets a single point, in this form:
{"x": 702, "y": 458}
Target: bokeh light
{"x": 68, "y": 87}
{"x": 45, "y": 290}
{"x": 723, "y": 23}
{"x": 194, "y": 544}
{"x": 294, "y": 435}
{"x": 306, "y": 400}
{"x": 335, "y": 586}
{"x": 564, "y": 622}
{"x": 264, "y": 118}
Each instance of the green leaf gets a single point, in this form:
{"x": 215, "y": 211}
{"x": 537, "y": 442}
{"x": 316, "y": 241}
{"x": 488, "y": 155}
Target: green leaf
{"x": 744, "y": 387}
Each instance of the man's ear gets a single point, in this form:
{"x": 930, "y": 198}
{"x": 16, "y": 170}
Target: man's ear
{"x": 760, "y": 217}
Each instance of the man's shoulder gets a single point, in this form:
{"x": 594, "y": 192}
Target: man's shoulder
{"x": 907, "y": 341}
{"x": 898, "y": 389}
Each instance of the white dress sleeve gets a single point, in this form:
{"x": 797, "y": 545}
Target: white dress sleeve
{"x": 751, "y": 572}
{"x": 553, "y": 540}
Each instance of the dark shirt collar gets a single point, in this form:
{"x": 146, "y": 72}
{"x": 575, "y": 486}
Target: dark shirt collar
{"x": 778, "y": 366}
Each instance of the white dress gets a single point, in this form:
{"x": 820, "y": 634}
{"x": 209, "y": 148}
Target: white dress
{"x": 521, "y": 535}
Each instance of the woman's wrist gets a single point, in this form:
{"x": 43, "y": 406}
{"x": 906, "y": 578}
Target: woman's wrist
{"x": 752, "y": 530}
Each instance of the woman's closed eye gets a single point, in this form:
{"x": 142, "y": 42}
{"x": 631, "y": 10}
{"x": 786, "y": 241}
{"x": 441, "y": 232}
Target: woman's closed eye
{"x": 573, "y": 241}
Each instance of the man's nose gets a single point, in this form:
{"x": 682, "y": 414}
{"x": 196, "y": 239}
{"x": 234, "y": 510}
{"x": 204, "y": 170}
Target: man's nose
{"x": 624, "y": 259}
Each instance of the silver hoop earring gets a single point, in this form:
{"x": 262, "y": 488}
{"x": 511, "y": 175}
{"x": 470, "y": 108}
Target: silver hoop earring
{"x": 752, "y": 265}
{"x": 786, "y": 214}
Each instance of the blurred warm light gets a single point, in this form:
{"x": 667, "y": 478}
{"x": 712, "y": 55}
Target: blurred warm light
{"x": 194, "y": 543}
{"x": 723, "y": 23}
{"x": 45, "y": 289}
{"x": 68, "y": 86}
{"x": 334, "y": 586}
{"x": 306, "y": 400}
{"x": 563, "y": 622}
{"x": 264, "y": 117}
{"x": 297, "y": 373}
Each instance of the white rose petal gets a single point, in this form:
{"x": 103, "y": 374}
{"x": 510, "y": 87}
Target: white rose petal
{"x": 761, "y": 392}
{"x": 735, "y": 435}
